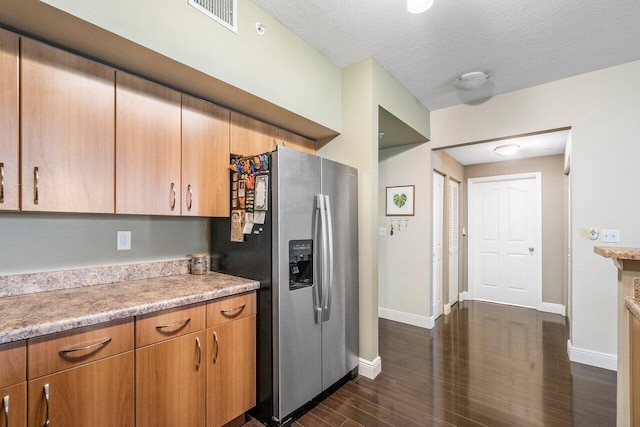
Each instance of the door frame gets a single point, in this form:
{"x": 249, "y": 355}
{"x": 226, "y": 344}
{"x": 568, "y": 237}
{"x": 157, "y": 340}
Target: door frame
{"x": 537, "y": 176}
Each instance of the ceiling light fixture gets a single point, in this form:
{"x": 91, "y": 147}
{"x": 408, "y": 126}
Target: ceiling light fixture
{"x": 471, "y": 80}
{"x": 507, "y": 149}
{"x": 419, "y": 6}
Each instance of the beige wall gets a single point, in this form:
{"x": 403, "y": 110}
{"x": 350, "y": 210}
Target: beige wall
{"x": 404, "y": 280}
{"x": 553, "y": 217}
{"x": 365, "y": 87}
{"x": 277, "y": 67}
{"x": 601, "y": 107}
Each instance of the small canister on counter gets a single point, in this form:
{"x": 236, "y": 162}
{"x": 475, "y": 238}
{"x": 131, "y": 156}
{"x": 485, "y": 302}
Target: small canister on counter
{"x": 198, "y": 263}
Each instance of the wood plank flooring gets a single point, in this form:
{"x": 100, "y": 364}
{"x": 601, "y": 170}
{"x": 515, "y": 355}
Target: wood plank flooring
{"x": 482, "y": 365}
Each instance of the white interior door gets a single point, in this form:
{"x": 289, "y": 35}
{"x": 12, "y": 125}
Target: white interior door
{"x": 454, "y": 232}
{"x": 437, "y": 236}
{"x": 504, "y": 232}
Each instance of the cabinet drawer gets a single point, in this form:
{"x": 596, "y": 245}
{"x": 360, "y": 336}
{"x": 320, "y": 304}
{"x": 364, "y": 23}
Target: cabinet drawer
{"x": 13, "y": 363}
{"x": 156, "y": 327}
{"x": 231, "y": 308}
{"x": 52, "y": 353}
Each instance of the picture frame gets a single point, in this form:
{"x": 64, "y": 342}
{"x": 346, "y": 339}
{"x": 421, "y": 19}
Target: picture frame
{"x": 400, "y": 200}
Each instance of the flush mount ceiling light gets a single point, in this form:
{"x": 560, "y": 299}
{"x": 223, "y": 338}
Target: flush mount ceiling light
{"x": 471, "y": 80}
{"x": 419, "y": 6}
{"x": 507, "y": 149}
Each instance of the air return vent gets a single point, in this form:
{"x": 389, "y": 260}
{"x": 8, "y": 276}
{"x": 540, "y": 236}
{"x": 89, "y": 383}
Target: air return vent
{"x": 223, "y": 11}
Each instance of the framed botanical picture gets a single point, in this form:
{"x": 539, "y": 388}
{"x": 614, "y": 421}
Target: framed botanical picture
{"x": 400, "y": 200}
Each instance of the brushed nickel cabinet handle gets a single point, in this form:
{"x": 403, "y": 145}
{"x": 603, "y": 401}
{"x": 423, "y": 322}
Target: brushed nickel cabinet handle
{"x": 5, "y": 407}
{"x": 227, "y": 311}
{"x": 46, "y": 401}
{"x": 190, "y": 198}
{"x": 199, "y": 353}
{"x": 66, "y": 351}
{"x": 36, "y": 177}
{"x": 1, "y": 182}
{"x": 181, "y": 323}
{"x": 215, "y": 339}
{"x": 173, "y": 196}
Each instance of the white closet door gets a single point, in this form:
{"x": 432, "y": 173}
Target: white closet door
{"x": 454, "y": 224}
{"x": 437, "y": 236}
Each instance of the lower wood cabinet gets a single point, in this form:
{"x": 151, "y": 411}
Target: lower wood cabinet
{"x": 635, "y": 370}
{"x": 170, "y": 382}
{"x": 13, "y": 405}
{"x": 13, "y": 386}
{"x": 231, "y": 370}
{"x": 98, "y": 394}
{"x": 192, "y": 366}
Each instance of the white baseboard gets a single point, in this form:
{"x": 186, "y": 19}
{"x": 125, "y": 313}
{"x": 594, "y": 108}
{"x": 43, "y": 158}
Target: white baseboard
{"x": 593, "y": 358}
{"x": 447, "y": 308}
{"x": 370, "y": 369}
{"x": 408, "y": 318}
{"x": 464, "y": 296}
{"x": 549, "y": 307}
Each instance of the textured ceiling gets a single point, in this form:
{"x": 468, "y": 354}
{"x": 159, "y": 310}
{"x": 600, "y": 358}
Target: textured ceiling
{"x": 520, "y": 43}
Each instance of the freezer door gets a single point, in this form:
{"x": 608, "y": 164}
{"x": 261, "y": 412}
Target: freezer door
{"x": 340, "y": 326}
{"x": 297, "y": 336}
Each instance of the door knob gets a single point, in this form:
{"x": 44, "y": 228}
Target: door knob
{"x": 531, "y": 249}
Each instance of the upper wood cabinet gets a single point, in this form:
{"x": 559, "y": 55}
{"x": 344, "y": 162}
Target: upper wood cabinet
{"x": 67, "y": 129}
{"x": 9, "y": 122}
{"x": 250, "y": 136}
{"x": 205, "y": 157}
{"x": 147, "y": 147}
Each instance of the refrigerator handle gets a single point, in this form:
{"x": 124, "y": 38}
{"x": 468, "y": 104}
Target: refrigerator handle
{"x": 325, "y": 256}
{"x": 318, "y": 276}
{"x": 329, "y": 280}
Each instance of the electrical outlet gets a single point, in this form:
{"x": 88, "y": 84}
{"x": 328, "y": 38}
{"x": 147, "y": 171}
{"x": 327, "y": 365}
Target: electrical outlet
{"x": 610, "y": 236}
{"x": 124, "y": 240}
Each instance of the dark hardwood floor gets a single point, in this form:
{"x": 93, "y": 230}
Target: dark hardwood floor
{"x": 484, "y": 364}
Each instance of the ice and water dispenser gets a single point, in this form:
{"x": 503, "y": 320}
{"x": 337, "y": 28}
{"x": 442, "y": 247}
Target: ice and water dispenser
{"x": 300, "y": 264}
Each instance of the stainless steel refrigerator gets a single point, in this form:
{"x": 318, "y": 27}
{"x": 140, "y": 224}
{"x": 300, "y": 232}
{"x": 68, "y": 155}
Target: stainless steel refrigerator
{"x": 306, "y": 258}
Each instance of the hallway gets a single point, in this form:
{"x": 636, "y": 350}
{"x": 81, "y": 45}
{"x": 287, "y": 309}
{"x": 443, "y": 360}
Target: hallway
{"x": 484, "y": 364}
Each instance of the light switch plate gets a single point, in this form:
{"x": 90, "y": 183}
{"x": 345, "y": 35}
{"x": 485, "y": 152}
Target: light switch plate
{"x": 382, "y": 231}
{"x": 610, "y": 236}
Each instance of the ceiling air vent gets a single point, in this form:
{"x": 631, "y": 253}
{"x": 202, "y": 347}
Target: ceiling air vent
{"x": 223, "y": 11}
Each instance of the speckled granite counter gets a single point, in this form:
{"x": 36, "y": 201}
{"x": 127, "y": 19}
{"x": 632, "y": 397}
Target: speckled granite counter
{"x": 31, "y": 315}
{"x": 618, "y": 253}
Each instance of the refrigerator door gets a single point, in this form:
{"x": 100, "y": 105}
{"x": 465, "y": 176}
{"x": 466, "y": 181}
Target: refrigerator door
{"x": 340, "y": 317}
{"x": 297, "y": 337}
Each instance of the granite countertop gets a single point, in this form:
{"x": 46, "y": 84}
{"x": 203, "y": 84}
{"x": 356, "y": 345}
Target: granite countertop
{"x": 618, "y": 253}
{"x": 31, "y": 315}
{"x": 633, "y": 304}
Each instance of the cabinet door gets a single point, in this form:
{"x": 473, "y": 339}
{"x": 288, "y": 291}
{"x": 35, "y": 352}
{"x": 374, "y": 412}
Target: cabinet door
{"x": 9, "y": 136}
{"x": 99, "y": 394}
{"x": 297, "y": 142}
{"x": 231, "y": 370}
{"x": 13, "y": 406}
{"x": 205, "y": 158}
{"x": 170, "y": 382}
{"x": 635, "y": 370}
{"x": 147, "y": 147}
{"x": 250, "y": 136}
{"x": 67, "y": 105}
